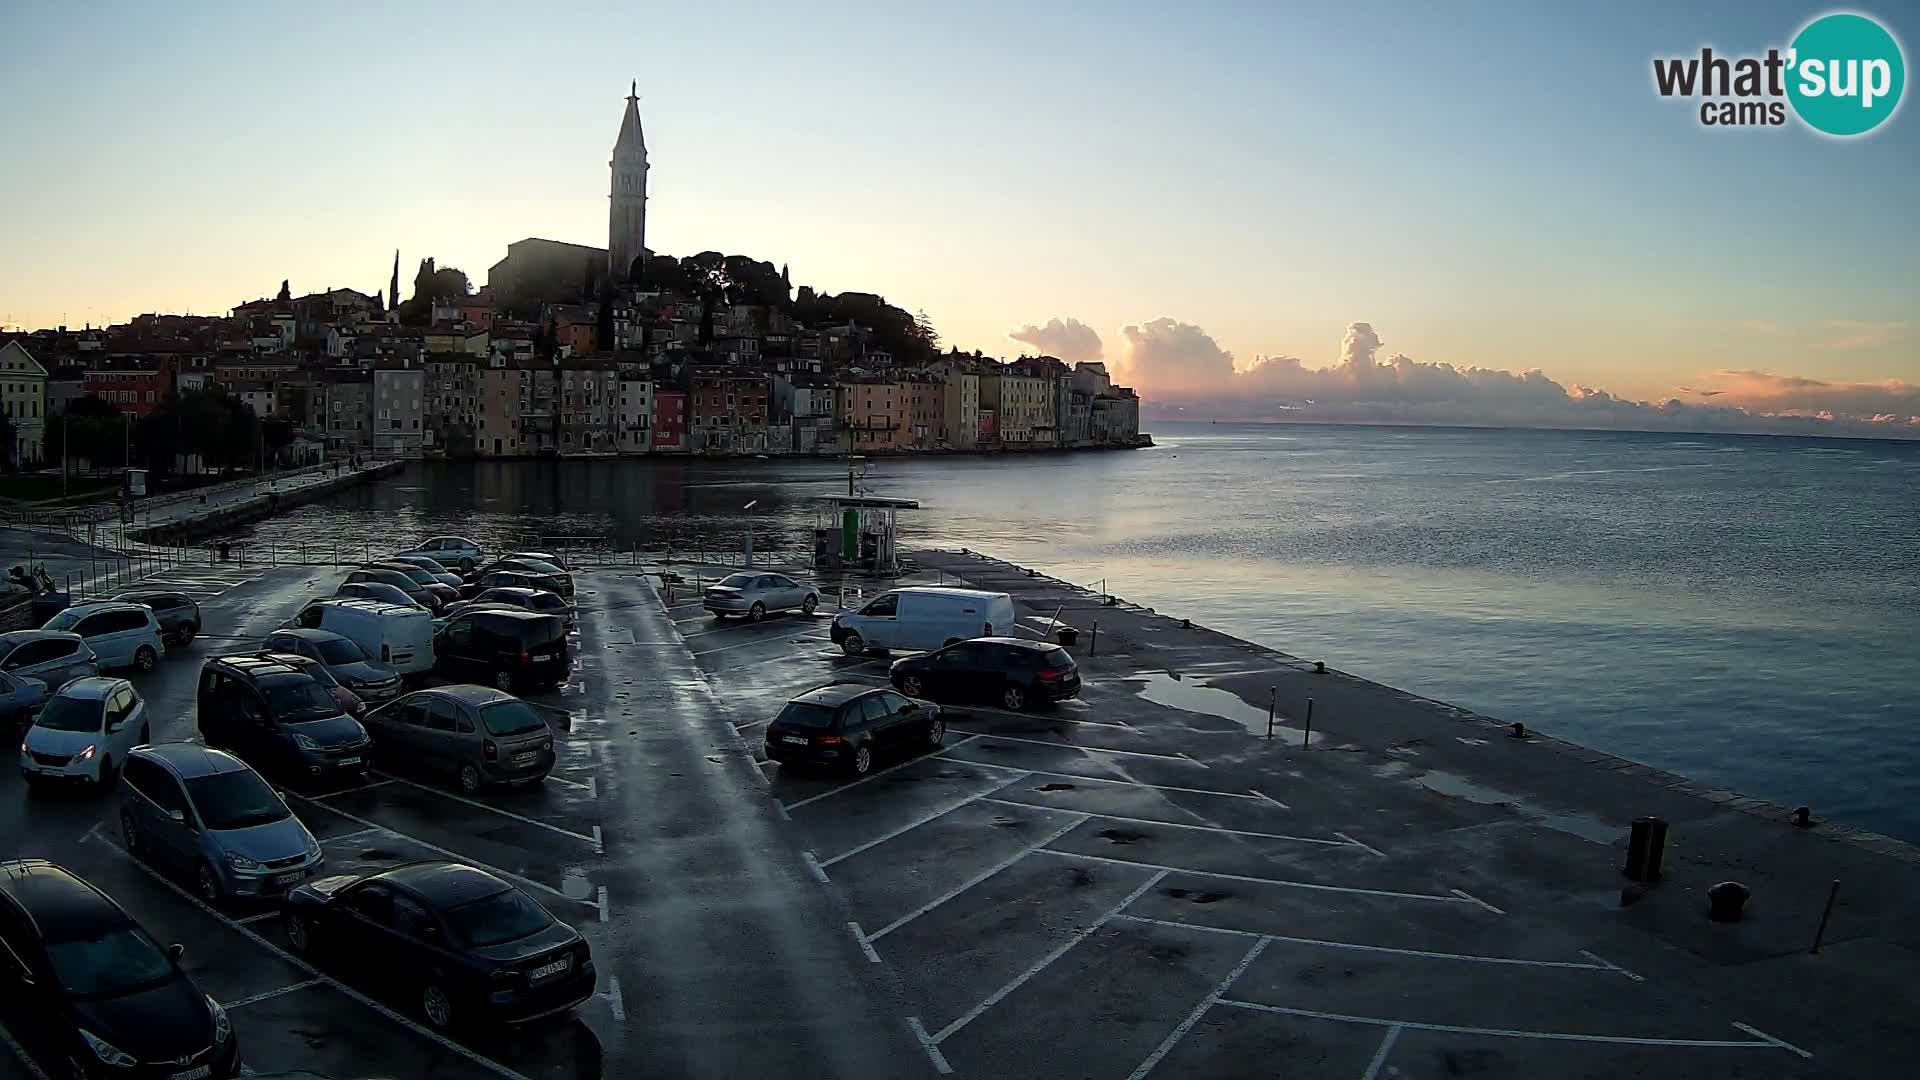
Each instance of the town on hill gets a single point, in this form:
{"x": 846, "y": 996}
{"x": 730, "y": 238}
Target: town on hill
{"x": 567, "y": 350}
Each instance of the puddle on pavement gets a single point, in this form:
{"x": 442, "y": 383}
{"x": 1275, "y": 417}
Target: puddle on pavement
{"x": 1585, "y": 826}
{"x": 575, "y": 885}
{"x": 1188, "y": 696}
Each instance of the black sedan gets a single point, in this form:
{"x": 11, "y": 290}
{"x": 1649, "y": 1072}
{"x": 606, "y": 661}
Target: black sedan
{"x": 96, "y": 990}
{"x": 849, "y": 725}
{"x": 470, "y": 947}
{"x": 1010, "y": 672}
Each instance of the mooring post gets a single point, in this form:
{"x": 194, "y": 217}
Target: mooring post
{"x": 1273, "y": 702}
{"x": 1833, "y": 892}
{"x": 1093, "y": 640}
{"x": 1306, "y": 733}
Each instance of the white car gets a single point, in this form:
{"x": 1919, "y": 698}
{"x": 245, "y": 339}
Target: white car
{"x": 121, "y": 635}
{"x": 84, "y": 733}
{"x": 456, "y": 552}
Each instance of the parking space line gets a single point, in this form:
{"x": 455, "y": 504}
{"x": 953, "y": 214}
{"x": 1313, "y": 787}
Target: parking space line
{"x": 866, "y": 943}
{"x": 1180, "y": 1031}
{"x": 1079, "y": 820}
{"x": 1258, "y": 794}
{"x": 301, "y": 965}
{"x": 354, "y": 835}
{"x": 1380, "y": 1056}
{"x": 1104, "y": 779}
{"x": 258, "y": 916}
{"x": 615, "y": 1003}
{"x": 1471, "y": 899}
{"x": 1508, "y": 1033}
{"x": 788, "y": 639}
{"x": 1079, "y": 746}
{"x": 600, "y": 902}
{"x": 1358, "y": 844}
{"x": 881, "y": 773}
{"x": 1041, "y": 965}
{"x": 1611, "y": 966}
{"x": 343, "y": 791}
{"x": 1469, "y": 958}
{"x": 1781, "y": 1043}
{"x": 907, "y": 828}
{"x": 478, "y": 805}
{"x": 1179, "y": 824}
{"x": 33, "y": 1067}
{"x": 813, "y": 866}
{"x": 1279, "y": 882}
{"x": 268, "y": 995}
{"x": 932, "y": 1048}
{"x": 588, "y": 787}
{"x": 453, "y": 855}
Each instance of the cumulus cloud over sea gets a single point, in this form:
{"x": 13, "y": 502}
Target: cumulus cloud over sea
{"x": 1179, "y": 369}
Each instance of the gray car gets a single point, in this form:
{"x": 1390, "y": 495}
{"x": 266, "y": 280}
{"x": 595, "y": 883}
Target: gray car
{"x": 20, "y": 699}
{"x": 387, "y": 575}
{"x": 476, "y": 733}
{"x": 754, "y": 595}
{"x": 440, "y": 573}
{"x": 378, "y": 590}
{"x": 204, "y": 814}
{"x": 540, "y": 600}
{"x": 55, "y": 657}
{"x": 349, "y": 664}
{"x": 178, "y": 613}
{"x": 422, "y": 577}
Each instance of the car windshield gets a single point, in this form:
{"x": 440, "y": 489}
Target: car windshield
{"x": 805, "y": 714}
{"x": 419, "y": 575}
{"x": 298, "y": 701}
{"x": 319, "y": 673}
{"x": 63, "y": 620}
{"x": 510, "y": 718}
{"x": 547, "y": 602}
{"x": 737, "y": 581}
{"x": 113, "y": 961}
{"x": 71, "y": 714}
{"x": 235, "y": 800}
{"x": 539, "y": 567}
{"x": 340, "y": 651}
{"x": 493, "y": 920}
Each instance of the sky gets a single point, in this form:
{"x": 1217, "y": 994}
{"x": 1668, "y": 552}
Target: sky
{"x": 1493, "y": 185}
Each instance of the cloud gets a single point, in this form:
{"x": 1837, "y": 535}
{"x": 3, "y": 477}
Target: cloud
{"x": 1069, "y": 339}
{"x": 1166, "y": 357}
{"x": 1857, "y": 334}
{"x": 1760, "y": 391}
{"x": 1178, "y": 366}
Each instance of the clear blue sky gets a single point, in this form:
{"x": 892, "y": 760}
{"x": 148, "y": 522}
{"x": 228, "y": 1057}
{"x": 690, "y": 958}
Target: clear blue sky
{"x": 1487, "y": 183}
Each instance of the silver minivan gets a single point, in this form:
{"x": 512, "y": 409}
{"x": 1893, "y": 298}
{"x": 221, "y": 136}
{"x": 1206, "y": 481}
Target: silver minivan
{"x": 204, "y": 814}
{"x": 476, "y": 733}
{"x": 55, "y": 657}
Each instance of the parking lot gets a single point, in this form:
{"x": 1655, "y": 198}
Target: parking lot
{"x": 1111, "y": 888}
{"x": 1115, "y": 888}
{"x": 289, "y": 1013}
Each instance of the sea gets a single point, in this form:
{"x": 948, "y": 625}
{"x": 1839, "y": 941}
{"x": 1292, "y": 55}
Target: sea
{"x": 1743, "y": 610}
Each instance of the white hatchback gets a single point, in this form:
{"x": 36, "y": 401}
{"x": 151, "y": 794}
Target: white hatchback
{"x": 84, "y": 733}
{"x": 120, "y": 635}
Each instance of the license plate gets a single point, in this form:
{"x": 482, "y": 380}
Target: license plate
{"x": 199, "y": 1072}
{"x": 525, "y": 759}
{"x": 349, "y": 761}
{"x": 798, "y": 740}
{"x": 546, "y": 970}
{"x": 290, "y": 879}
{"x": 541, "y": 658}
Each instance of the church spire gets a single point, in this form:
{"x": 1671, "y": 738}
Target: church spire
{"x": 627, "y": 215}
{"x": 393, "y": 286}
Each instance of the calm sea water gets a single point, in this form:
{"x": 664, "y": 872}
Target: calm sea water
{"x": 1742, "y": 610}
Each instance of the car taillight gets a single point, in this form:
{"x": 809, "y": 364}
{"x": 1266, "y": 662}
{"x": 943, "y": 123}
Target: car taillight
{"x": 829, "y": 740}
{"x": 525, "y": 658}
{"x": 489, "y": 751}
{"x": 1050, "y": 675}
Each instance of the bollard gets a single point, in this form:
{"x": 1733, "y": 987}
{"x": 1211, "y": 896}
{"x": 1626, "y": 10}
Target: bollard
{"x": 1827, "y": 913}
{"x": 1093, "y": 639}
{"x": 1273, "y": 702}
{"x": 1727, "y": 901}
{"x": 1306, "y": 733}
{"x": 1646, "y": 847}
{"x": 1319, "y": 667}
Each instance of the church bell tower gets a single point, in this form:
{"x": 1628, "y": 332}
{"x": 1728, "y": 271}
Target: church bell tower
{"x": 627, "y": 217}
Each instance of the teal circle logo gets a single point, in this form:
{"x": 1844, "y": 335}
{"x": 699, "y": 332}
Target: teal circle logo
{"x": 1845, "y": 74}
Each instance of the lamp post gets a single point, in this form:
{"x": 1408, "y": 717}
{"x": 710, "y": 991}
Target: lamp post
{"x": 750, "y": 506}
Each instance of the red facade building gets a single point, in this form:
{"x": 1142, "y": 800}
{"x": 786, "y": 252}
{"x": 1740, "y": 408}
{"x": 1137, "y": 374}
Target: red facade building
{"x": 669, "y": 419}
{"x": 135, "y": 386}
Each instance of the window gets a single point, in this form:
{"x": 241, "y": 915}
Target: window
{"x": 372, "y": 901}
{"x": 441, "y": 715}
{"x": 874, "y": 710}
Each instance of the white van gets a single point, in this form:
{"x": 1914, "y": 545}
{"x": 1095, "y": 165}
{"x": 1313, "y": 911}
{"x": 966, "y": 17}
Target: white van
{"x": 922, "y": 618}
{"x": 401, "y": 637}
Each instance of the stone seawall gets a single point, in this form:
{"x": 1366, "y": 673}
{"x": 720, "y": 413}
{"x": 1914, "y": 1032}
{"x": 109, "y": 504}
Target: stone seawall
{"x": 190, "y": 525}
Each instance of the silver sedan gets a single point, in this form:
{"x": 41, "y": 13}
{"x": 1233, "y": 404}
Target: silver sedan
{"x": 754, "y": 595}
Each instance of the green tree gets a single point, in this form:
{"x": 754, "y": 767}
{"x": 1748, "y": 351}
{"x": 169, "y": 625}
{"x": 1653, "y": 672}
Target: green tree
{"x": 90, "y": 430}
